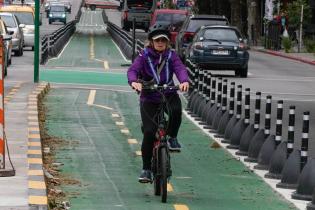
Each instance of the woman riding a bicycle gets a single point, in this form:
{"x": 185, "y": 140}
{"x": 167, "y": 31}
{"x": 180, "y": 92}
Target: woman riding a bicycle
{"x": 157, "y": 64}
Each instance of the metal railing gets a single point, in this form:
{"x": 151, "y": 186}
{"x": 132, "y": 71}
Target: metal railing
{"x": 52, "y": 44}
{"x": 122, "y": 38}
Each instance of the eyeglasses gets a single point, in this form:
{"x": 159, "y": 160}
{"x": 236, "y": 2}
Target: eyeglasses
{"x": 160, "y": 40}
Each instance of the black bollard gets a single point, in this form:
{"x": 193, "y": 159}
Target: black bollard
{"x": 194, "y": 93}
{"x": 199, "y": 96}
{"x": 227, "y": 114}
{"x": 191, "y": 73}
{"x": 206, "y": 96}
{"x": 311, "y": 206}
{"x": 271, "y": 143}
{"x": 214, "y": 108}
{"x": 260, "y": 136}
{"x": 250, "y": 129}
{"x": 233, "y": 120}
{"x": 221, "y": 110}
{"x": 211, "y": 102}
{"x": 203, "y": 101}
{"x": 241, "y": 125}
{"x": 306, "y": 181}
{"x": 283, "y": 150}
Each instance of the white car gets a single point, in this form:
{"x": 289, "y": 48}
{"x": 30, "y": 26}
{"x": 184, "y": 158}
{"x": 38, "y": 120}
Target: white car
{"x": 14, "y": 26}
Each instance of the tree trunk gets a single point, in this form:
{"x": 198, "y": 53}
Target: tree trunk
{"x": 254, "y": 21}
{"x": 236, "y": 13}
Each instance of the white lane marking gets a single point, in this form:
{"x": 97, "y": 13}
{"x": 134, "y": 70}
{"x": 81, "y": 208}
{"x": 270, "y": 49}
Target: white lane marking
{"x": 132, "y": 141}
{"x": 106, "y": 66}
{"x": 119, "y": 123}
{"x": 102, "y": 106}
{"x": 121, "y": 52}
{"x": 62, "y": 50}
{"x": 115, "y": 115}
{"x": 286, "y": 193}
{"x": 91, "y": 97}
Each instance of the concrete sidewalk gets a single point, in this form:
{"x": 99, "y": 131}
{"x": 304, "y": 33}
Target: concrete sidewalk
{"x": 308, "y": 58}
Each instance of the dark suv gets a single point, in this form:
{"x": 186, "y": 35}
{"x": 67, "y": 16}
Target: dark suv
{"x": 219, "y": 48}
{"x": 191, "y": 25}
{"x": 57, "y": 13}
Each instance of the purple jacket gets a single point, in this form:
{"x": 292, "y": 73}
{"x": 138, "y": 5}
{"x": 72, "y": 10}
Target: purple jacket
{"x": 140, "y": 69}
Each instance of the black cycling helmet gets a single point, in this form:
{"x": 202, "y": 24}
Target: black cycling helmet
{"x": 159, "y": 30}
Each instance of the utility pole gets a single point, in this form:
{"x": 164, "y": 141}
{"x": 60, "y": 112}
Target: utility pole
{"x": 36, "y": 43}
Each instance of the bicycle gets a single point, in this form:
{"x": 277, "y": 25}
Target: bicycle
{"x": 161, "y": 163}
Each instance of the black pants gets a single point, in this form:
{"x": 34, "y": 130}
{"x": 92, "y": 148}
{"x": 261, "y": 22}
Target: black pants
{"x": 149, "y": 112}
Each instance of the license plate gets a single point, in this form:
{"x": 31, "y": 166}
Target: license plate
{"x": 220, "y": 52}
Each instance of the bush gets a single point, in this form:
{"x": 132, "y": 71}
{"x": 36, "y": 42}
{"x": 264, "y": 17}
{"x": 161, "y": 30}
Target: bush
{"x": 287, "y": 44}
{"x": 309, "y": 45}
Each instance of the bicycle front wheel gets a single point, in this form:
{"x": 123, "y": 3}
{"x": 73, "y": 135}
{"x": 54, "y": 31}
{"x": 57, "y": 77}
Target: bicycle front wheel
{"x": 163, "y": 167}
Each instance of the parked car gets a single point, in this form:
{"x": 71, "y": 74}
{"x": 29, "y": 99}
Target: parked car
{"x": 7, "y": 45}
{"x": 14, "y": 26}
{"x": 191, "y": 25}
{"x": 25, "y": 14}
{"x": 220, "y": 48}
{"x": 172, "y": 17}
{"x": 57, "y": 13}
{"x": 138, "y": 10}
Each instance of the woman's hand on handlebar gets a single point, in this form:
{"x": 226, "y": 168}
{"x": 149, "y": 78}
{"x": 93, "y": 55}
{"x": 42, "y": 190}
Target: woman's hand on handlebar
{"x": 137, "y": 86}
{"x": 184, "y": 86}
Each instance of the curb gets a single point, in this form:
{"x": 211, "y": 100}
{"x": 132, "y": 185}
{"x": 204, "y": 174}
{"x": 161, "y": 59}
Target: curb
{"x": 284, "y": 56}
{"x": 37, "y": 196}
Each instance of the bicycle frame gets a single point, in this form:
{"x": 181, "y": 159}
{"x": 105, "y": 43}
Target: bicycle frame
{"x": 161, "y": 163}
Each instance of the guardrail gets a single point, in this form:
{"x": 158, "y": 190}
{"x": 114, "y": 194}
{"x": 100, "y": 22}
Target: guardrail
{"x": 52, "y": 44}
{"x": 122, "y": 38}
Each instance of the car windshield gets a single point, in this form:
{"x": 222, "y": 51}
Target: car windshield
{"x": 9, "y": 21}
{"x": 25, "y": 17}
{"x": 57, "y": 8}
{"x": 220, "y": 34}
{"x": 175, "y": 20}
{"x": 196, "y": 23}
{"x": 140, "y": 3}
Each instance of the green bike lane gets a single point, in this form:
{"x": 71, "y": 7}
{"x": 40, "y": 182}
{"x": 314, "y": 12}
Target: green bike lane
{"x": 102, "y": 130}
{"x": 86, "y": 59}
{"x": 103, "y": 154}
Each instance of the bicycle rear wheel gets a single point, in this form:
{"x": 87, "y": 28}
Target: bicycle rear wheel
{"x": 163, "y": 178}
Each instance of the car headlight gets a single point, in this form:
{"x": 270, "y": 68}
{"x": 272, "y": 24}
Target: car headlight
{"x": 50, "y": 15}
{"x": 63, "y": 15}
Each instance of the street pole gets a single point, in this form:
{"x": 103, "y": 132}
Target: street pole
{"x": 36, "y": 42}
{"x": 301, "y": 28}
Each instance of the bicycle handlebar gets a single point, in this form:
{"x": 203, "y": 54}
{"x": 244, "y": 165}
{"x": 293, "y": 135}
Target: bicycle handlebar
{"x": 160, "y": 87}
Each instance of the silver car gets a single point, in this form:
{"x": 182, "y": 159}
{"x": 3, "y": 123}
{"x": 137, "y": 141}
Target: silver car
{"x": 13, "y": 25}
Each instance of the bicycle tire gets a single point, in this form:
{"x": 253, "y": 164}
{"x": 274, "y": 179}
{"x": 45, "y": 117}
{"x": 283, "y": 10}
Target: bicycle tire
{"x": 156, "y": 180}
{"x": 163, "y": 170}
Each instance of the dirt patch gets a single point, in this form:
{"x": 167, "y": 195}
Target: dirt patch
{"x": 57, "y": 199}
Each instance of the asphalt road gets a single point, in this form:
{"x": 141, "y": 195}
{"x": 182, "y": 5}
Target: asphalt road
{"x": 47, "y": 28}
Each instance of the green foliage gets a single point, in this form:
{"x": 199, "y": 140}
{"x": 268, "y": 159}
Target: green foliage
{"x": 294, "y": 12}
{"x": 309, "y": 45}
{"x": 169, "y": 4}
{"x": 287, "y": 44}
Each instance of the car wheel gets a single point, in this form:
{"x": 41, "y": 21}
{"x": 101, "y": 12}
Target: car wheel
{"x": 242, "y": 72}
{"x": 10, "y": 61}
{"x": 49, "y": 22}
{"x": 33, "y": 48}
